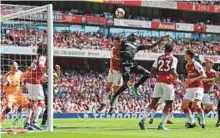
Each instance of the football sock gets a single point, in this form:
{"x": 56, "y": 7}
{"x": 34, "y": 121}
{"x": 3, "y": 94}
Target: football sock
{"x": 29, "y": 114}
{"x": 201, "y": 115}
{"x": 153, "y": 112}
{"x": 37, "y": 113}
{"x": 120, "y": 90}
{"x": 146, "y": 115}
{"x": 44, "y": 120}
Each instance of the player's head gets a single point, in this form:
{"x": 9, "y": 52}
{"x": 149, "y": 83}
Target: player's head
{"x": 42, "y": 50}
{"x": 14, "y": 66}
{"x": 117, "y": 42}
{"x": 132, "y": 37}
{"x": 209, "y": 63}
{"x": 168, "y": 48}
{"x": 189, "y": 55}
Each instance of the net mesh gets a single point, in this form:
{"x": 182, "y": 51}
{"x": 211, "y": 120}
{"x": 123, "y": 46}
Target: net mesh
{"x": 21, "y": 36}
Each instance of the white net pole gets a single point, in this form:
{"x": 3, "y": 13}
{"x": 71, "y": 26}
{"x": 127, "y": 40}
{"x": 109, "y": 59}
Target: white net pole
{"x": 24, "y": 34}
{"x": 50, "y": 69}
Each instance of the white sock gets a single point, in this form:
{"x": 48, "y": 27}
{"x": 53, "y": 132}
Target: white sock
{"x": 37, "y": 113}
{"x": 202, "y": 117}
{"x": 146, "y": 115}
{"x": 153, "y": 112}
{"x": 190, "y": 118}
{"x": 164, "y": 119}
{"x": 29, "y": 115}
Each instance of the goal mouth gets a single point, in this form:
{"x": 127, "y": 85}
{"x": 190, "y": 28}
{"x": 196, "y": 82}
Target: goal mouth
{"x": 19, "y": 11}
{"x": 25, "y": 26}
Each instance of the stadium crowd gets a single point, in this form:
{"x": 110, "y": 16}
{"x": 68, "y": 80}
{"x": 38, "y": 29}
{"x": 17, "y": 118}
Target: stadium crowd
{"x": 165, "y": 17}
{"x": 81, "y": 91}
{"x": 98, "y": 40}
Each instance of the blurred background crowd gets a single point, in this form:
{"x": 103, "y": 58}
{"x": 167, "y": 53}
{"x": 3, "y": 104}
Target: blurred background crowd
{"x": 98, "y": 41}
{"x": 81, "y": 90}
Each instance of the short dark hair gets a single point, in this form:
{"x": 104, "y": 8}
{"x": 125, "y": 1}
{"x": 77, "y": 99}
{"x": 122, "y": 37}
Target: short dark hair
{"x": 42, "y": 50}
{"x": 168, "y": 48}
{"x": 11, "y": 62}
{"x": 132, "y": 37}
{"x": 190, "y": 53}
{"x": 117, "y": 38}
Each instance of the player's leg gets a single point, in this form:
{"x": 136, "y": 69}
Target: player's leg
{"x": 125, "y": 71}
{"x": 188, "y": 97}
{"x": 10, "y": 99}
{"x": 22, "y": 102}
{"x": 152, "y": 114}
{"x": 107, "y": 92}
{"x": 44, "y": 119}
{"x": 166, "y": 113}
{"x": 157, "y": 94}
{"x": 169, "y": 121}
{"x": 168, "y": 96}
{"x": 197, "y": 105}
{"x": 37, "y": 111}
{"x": 208, "y": 104}
{"x": 139, "y": 70}
{"x": 218, "y": 111}
{"x": 147, "y": 112}
{"x": 30, "y": 107}
{"x": 37, "y": 96}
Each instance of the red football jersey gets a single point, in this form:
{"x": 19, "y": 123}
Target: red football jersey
{"x": 194, "y": 70}
{"x": 164, "y": 65}
{"x": 36, "y": 70}
{"x": 115, "y": 59}
{"x": 208, "y": 85}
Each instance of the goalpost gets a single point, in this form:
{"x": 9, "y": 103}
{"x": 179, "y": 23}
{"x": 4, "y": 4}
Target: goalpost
{"x": 23, "y": 29}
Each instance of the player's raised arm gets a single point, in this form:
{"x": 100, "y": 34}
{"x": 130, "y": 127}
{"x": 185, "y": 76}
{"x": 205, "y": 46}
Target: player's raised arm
{"x": 164, "y": 38}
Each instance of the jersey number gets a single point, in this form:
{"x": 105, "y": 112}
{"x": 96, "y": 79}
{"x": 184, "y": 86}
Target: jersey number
{"x": 164, "y": 65}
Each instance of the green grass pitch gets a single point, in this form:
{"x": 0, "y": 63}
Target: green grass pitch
{"x": 120, "y": 128}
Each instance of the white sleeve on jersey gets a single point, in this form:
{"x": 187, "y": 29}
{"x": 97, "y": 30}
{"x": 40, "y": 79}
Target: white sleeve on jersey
{"x": 155, "y": 63}
{"x": 199, "y": 68}
{"x": 174, "y": 64}
{"x": 42, "y": 61}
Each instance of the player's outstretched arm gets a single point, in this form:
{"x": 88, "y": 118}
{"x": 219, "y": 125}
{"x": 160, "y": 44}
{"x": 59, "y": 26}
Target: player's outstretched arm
{"x": 164, "y": 38}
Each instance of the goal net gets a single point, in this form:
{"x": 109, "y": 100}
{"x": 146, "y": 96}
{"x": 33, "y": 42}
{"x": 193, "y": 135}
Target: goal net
{"x": 26, "y": 52}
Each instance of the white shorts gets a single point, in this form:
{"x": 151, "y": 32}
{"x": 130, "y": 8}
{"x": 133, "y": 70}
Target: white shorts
{"x": 163, "y": 90}
{"x": 115, "y": 78}
{"x": 35, "y": 92}
{"x": 161, "y": 101}
{"x": 206, "y": 100}
{"x": 194, "y": 94}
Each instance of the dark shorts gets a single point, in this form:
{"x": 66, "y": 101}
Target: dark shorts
{"x": 128, "y": 67}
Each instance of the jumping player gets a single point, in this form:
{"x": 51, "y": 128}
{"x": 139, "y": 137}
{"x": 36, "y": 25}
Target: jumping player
{"x": 114, "y": 76}
{"x": 128, "y": 50}
{"x": 165, "y": 70}
{"x": 195, "y": 91}
{"x": 35, "y": 89}
{"x": 11, "y": 86}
